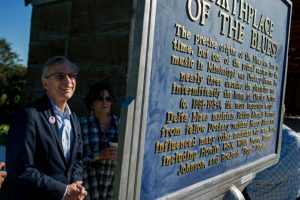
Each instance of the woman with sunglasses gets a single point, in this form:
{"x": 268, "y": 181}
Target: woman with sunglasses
{"x": 99, "y": 132}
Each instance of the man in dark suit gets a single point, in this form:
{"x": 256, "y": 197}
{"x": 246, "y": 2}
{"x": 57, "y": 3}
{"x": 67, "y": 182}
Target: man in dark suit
{"x": 44, "y": 146}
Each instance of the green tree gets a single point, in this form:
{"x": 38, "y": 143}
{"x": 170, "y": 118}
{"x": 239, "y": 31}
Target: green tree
{"x": 12, "y": 81}
{"x": 7, "y": 56}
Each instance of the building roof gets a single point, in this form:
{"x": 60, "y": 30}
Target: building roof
{"x": 37, "y": 2}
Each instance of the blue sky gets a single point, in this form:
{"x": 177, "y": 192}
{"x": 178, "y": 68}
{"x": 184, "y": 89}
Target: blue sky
{"x": 15, "y": 21}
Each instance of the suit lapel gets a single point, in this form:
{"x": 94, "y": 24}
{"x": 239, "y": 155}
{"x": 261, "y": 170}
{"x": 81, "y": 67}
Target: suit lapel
{"x": 75, "y": 141}
{"x": 54, "y": 129}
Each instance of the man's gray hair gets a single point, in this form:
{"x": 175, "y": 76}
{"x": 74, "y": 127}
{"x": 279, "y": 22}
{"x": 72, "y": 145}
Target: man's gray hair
{"x": 56, "y": 59}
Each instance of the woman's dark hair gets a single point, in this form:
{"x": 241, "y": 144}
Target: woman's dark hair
{"x": 95, "y": 91}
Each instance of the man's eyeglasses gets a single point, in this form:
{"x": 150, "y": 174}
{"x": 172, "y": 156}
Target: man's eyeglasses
{"x": 62, "y": 76}
{"x": 101, "y": 99}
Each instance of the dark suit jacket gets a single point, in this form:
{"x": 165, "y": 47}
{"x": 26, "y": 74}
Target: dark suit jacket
{"x": 35, "y": 162}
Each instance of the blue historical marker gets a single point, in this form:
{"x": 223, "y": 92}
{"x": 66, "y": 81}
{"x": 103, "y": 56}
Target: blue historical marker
{"x": 213, "y": 76}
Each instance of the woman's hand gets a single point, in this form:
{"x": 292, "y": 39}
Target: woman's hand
{"x": 109, "y": 153}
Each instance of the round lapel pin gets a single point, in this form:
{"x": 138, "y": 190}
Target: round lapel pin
{"x": 52, "y": 120}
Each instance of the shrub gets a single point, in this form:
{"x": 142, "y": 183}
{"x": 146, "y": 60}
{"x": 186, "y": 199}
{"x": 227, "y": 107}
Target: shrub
{"x": 3, "y": 132}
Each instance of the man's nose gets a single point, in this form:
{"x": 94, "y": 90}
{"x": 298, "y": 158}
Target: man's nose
{"x": 67, "y": 79}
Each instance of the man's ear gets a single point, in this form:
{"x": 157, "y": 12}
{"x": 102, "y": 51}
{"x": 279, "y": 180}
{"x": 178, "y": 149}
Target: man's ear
{"x": 45, "y": 83}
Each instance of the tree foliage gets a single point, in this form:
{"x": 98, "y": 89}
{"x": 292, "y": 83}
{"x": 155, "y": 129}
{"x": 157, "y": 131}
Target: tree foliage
{"x": 12, "y": 81}
{"x": 3, "y": 132}
{"x": 7, "y": 56}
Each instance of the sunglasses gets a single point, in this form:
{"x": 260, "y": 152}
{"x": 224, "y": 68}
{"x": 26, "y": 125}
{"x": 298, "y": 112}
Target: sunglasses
{"x": 62, "y": 76}
{"x": 101, "y": 99}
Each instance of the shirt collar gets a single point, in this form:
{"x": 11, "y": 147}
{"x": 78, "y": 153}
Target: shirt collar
{"x": 66, "y": 113}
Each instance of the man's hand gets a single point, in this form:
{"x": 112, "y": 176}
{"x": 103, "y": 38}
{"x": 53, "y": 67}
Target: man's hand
{"x": 2, "y": 173}
{"x": 83, "y": 192}
{"x": 72, "y": 192}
